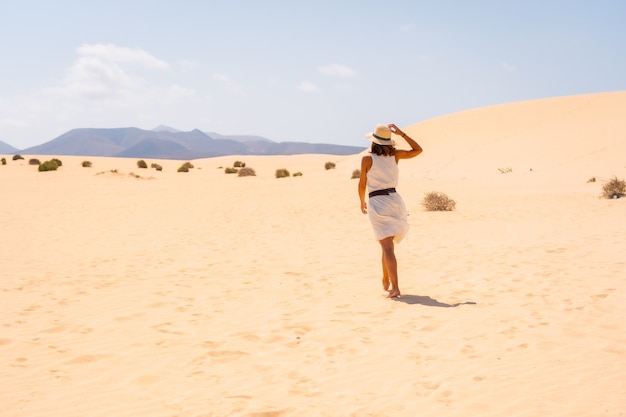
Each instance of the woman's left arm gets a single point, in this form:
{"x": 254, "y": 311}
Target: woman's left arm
{"x": 416, "y": 149}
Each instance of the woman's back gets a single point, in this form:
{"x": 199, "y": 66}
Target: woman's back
{"x": 383, "y": 173}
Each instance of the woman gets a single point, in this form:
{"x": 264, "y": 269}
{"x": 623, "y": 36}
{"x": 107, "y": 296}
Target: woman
{"x": 386, "y": 210}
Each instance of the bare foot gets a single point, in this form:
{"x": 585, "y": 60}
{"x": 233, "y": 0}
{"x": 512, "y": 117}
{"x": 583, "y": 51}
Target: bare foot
{"x": 394, "y": 294}
{"x": 386, "y": 283}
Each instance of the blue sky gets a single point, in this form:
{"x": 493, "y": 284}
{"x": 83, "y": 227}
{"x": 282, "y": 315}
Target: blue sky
{"x": 314, "y": 71}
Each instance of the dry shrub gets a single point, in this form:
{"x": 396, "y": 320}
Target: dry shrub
{"x": 282, "y": 173}
{"x": 592, "y": 179}
{"x": 506, "y": 170}
{"x": 229, "y": 170}
{"x": 86, "y": 164}
{"x": 329, "y": 165}
{"x": 239, "y": 164}
{"x": 156, "y": 166}
{"x": 18, "y": 156}
{"x": 142, "y": 164}
{"x": 185, "y": 167}
{"x": 48, "y": 166}
{"x": 356, "y": 174}
{"x": 246, "y": 172}
{"x": 297, "y": 174}
{"x": 436, "y": 201}
{"x": 615, "y": 188}
{"x": 34, "y": 161}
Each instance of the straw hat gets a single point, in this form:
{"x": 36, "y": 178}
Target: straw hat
{"x": 381, "y": 135}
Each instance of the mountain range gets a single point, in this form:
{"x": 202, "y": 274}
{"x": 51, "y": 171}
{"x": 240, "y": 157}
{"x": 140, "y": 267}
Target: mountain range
{"x": 5, "y": 148}
{"x": 164, "y": 142}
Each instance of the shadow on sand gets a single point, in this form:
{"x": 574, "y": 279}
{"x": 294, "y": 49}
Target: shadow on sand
{"x": 427, "y": 301}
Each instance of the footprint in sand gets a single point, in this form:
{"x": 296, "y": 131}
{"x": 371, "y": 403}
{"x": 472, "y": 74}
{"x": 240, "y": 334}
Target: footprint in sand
{"x": 129, "y": 317}
{"x": 83, "y": 359}
{"x": 159, "y": 327}
{"x": 431, "y": 385}
{"x": 219, "y": 355}
{"x": 56, "y": 329}
{"x": 276, "y": 413}
{"x": 58, "y": 374}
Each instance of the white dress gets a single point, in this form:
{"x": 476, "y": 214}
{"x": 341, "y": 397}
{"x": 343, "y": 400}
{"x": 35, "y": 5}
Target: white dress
{"x": 387, "y": 213}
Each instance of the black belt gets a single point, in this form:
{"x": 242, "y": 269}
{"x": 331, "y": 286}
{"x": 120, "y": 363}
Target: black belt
{"x": 386, "y": 191}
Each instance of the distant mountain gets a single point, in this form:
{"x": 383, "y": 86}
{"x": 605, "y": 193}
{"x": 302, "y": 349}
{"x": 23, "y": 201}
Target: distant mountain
{"x": 164, "y": 142}
{"x": 240, "y": 138}
{"x": 257, "y": 145}
{"x": 5, "y": 148}
{"x": 132, "y": 142}
{"x": 163, "y": 128}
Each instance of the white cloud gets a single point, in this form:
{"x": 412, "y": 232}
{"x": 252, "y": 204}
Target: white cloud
{"x": 118, "y": 54}
{"x": 178, "y": 91}
{"x": 105, "y": 86}
{"x": 107, "y": 72}
{"x": 229, "y": 84}
{"x": 337, "y": 70}
{"x": 308, "y": 87}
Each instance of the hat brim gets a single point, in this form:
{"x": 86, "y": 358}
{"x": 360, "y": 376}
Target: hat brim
{"x": 378, "y": 140}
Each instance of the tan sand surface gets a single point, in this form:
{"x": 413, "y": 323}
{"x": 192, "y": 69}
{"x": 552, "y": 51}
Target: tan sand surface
{"x": 206, "y": 294}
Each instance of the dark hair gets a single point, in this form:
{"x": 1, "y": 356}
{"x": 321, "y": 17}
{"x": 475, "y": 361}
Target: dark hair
{"x": 384, "y": 150}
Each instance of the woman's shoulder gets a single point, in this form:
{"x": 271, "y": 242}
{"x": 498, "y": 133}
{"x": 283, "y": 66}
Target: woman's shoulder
{"x": 366, "y": 161}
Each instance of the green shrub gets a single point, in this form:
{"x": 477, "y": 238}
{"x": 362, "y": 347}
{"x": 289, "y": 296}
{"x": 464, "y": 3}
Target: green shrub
{"x": 58, "y": 161}
{"x": 239, "y": 164}
{"x": 86, "y": 164}
{"x": 18, "y": 156}
{"x": 329, "y": 165}
{"x": 48, "y": 166}
{"x": 246, "y": 172}
{"x": 142, "y": 164}
{"x": 297, "y": 174}
{"x": 34, "y": 161}
{"x": 185, "y": 167}
{"x": 4, "y": 161}
{"x": 282, "y": 173}
{"x": 356, "y": 174}
{"x": 229, "y": 170}
{"x": 615, "y": 188}
{"x": 435, "y": 201}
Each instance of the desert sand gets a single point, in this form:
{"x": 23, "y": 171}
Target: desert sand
{"x": 146, "y": 293}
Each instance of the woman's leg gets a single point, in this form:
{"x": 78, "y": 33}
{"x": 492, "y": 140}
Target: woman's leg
{"x": 386, "y": 281}
{"x": 390, "y": 265}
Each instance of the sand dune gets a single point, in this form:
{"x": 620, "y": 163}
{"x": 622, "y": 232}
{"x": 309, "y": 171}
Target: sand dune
{"x": 205, "y": 294}
{"x": 571, "y": 135}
